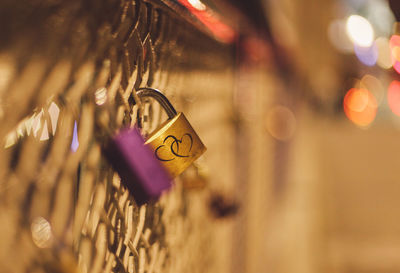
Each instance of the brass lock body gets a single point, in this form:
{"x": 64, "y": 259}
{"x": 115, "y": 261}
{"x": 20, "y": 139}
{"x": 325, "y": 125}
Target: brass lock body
{"x": 175, "y": 143}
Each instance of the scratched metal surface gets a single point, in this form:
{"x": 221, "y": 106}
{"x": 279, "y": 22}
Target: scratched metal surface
{"x": 65, "y": 211}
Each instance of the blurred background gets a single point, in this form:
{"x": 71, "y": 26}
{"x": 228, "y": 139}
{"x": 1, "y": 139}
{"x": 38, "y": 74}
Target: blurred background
{"x": 297, "y": 101}
{"x": 322, "y": 133}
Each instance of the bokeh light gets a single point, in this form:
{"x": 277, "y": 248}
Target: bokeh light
{"x": 360, "y": 31}
{"x": 395, "y": 52}
{"x": 355, "y": 4}
{"x": 373, "y": 85}
{"x": 380, "y": 15}
{"x": 367, "y": 55}
{"x": 338, "y": 37}
{"x": 42, "y": 235}
{"x": 384, "y": 59}
{"x": 211, "y": 20}
{"x": 360, "y": 106}
{"x": 281, "y": 123}
{"x": 197, "y": 4}
{"x": 393, "y": 97}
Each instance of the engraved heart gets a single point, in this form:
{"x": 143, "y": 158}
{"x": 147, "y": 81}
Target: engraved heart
{"x": 181, "y": 147}
{"x": 173, "y": 147}
{"x": 163, "y": 153}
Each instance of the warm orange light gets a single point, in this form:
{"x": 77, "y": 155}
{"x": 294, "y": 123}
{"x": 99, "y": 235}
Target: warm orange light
{"x": 395, "y": 52}
{"x": 360, "y": 106}
{"x": 211, "y": 20}
{"x": 394, "y": 97}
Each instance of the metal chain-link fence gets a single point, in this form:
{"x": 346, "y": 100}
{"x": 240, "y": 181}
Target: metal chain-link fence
{"x": 62, "y": 207}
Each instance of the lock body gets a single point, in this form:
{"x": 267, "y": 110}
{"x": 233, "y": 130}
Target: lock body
{"x": 175, "y": 144}
{"x": 139, "y": 170}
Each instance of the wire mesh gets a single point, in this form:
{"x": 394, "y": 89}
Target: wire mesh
{"x": 62, "y": 207}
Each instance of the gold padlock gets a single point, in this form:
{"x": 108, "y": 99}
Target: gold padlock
{"x": 175, "y": 144}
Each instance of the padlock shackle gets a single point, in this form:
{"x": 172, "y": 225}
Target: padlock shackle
{"x": 159, "y": 97}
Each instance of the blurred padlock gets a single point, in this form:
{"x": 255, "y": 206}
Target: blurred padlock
{"x": 195, "y": 177}
{"x": 174, "y": 142}
{"x": 137, "y": 166}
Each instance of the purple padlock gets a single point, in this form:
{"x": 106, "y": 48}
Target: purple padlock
{"x": 137, "y": 166}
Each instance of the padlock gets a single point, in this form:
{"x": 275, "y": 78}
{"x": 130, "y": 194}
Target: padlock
{"x": 139, "y": 170}
{"x": 174, "y": 143}
{"x": 141, "y": 173}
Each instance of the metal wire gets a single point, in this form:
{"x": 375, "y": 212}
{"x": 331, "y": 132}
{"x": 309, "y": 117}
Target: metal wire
{"x": 159, "y": 97}
{"x": 62, "y": 207}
